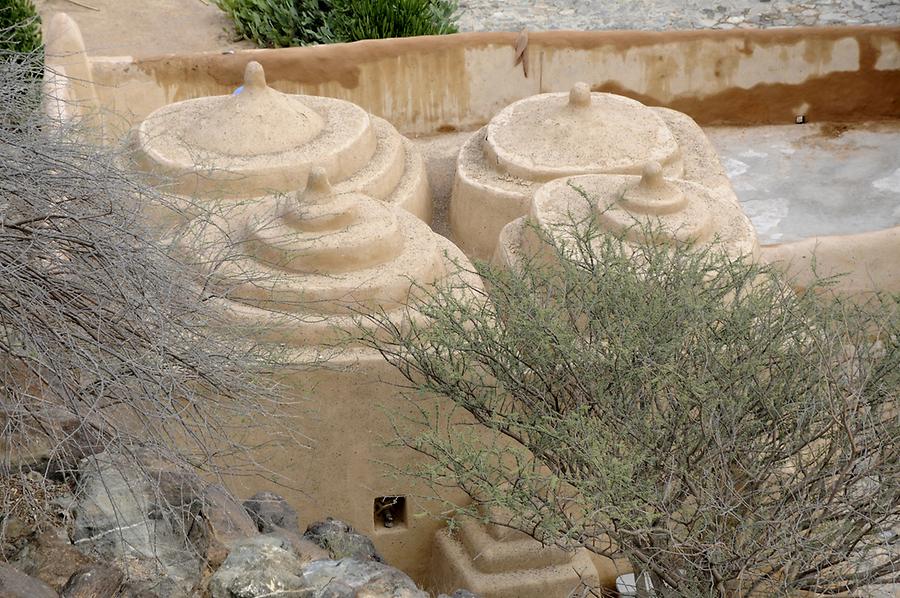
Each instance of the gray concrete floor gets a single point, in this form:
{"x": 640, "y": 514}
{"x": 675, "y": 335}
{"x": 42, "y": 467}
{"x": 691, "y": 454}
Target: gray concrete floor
{"x": 801, "y": 181}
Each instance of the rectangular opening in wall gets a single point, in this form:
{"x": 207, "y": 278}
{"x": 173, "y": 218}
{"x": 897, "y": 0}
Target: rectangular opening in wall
{"x": 390, "y": 512}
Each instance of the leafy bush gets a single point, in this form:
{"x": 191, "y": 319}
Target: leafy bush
{"x": 281, "y": 23}
{"x": 20, "y": 26}
{"x": 680, "y": 408}
{"x": 352, "y": 20}
{"x": 277, "y": 23}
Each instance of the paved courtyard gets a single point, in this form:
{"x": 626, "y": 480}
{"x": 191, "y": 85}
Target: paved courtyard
{"x": 513, "y": 15}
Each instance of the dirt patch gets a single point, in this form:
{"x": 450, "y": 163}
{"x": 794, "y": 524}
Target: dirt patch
{"x": 833, "y": 130}
{"x": 147, "y": 28}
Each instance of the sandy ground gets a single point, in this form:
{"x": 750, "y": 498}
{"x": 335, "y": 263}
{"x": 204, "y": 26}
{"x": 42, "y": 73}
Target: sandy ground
{"x": 147, "y": 27}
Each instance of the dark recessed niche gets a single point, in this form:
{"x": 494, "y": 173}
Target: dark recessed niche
{"x": 390, "y": 512}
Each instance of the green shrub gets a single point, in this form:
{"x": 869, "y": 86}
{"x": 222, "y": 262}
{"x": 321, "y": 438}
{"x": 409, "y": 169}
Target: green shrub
{"x": 729, "y": 436}
{"x": 277, "y": 23}
{"x": 281, "y": 23}
{"x": 20, "y": 27}
{"x": 352, "y": 20}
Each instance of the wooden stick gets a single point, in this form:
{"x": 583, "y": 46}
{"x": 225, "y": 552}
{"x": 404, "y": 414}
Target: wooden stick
{"x": 87, "y": 6}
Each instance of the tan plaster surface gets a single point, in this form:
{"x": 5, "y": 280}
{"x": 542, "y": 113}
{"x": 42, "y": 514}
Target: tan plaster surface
{"x": 308, "y": 233}
{"x": 346, "y": 410}
{"x": 458, "y": 82}
{"x": 507, "y": 564}
{"x": 444, "y": 84}
{"x": 869, "y": 262}
{"x": 554, "y": 135}
{"x": 147, "y": 27}
{"x": 260, "y": 141}
{"x": 678, "y": 211}
{"x": 303, "y": 271}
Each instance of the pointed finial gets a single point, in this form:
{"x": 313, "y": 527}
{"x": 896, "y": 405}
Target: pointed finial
{"x": 652, "y": 176}
{"x": 654, "y": 194}
{"x": 580, "y": 95}
{"x": 318, "y": 188}
{"x": 254, "y": 76}
{"x": 318, "y": 181}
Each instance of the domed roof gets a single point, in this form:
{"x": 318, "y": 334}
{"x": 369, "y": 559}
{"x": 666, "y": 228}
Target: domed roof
{"x": 671, "y": 210}
{"x": 320, "y": 232}
{"x": 255, "y": 141}
{"x": 562, "y": 134}
{"x": 256, "y": 120}
{"x": 318, "y": 251}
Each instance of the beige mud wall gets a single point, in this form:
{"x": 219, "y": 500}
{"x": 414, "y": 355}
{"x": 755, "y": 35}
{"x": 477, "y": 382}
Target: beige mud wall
{"x": 865, "y": 262}
{"x": 438, "y": 84}
{"x": 345, "y": 412}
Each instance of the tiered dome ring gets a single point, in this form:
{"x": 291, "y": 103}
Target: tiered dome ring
{"x": 673, "y": 210}
{"x": 548, "y": 136}
{"x": 260, "y": 141}
{"x": 303, "y": 268}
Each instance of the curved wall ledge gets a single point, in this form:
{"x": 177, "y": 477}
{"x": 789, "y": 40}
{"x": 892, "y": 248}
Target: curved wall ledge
{"x": 432, "y": 84}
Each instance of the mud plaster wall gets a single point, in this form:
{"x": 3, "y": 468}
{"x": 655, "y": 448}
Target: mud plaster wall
{"x": 438, "y": 84}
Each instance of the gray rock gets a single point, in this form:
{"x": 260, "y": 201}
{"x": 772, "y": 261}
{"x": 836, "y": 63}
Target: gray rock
{"x": 304, "y": 549}
{"x": 269, "y": 511}
{"x": 221, "y": 523}
{"x": 96, "y": 581}
{"x": 368, "y": 578}
{"x": 260, "y": 566}
{"x": 56, "y": 450}
{"x": 50, "y": 557}
{"x": 15, "y": 528}
{"x": 135, "y": 520}
{"x": 130, "y": 590}
{"x": 342, "y": 541}
{"x": 15, "y": 584}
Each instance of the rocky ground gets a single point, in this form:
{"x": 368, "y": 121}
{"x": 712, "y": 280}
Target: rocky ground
{"x": 80, "y": 518}
{"x": 513, "y": 15}
{"x": 138, "y": 529}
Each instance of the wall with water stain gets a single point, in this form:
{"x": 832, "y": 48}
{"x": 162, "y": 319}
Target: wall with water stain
{"x": 433, "y": 84}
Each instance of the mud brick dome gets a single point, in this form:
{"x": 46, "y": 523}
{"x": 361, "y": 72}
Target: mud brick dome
{"x": 301, "y": 268}
{"x": 260, "y": 141}
{"x": 548, "y": 136}
{"x": 541, "y": 138}
{"x": 629, "y": 206}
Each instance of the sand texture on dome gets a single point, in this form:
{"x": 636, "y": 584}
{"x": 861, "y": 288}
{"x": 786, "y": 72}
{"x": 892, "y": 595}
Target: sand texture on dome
{"x": 548, "y": 136}
{"x": 259, "y": 141}
{"x": 301, "y": 269}
{"x": 674, "y": 211}
{"x": 552, "y": 135}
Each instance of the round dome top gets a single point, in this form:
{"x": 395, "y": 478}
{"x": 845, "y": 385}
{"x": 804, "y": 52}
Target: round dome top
{"x": 253, "y": 142}
{"x": 562, "y": 134}
{"x": 256, "y": 120}
{"x": 318, "y": 252}
{"x": 674, "y": 210}
{"x": 319, "y": 232}
{"x": 671, "y": 210}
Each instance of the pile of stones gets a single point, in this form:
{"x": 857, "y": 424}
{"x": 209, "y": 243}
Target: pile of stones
{"x": 137, "y": 528}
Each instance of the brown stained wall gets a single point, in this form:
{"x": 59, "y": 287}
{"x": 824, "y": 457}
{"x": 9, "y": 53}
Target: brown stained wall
{"x": 438, "y": 84}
